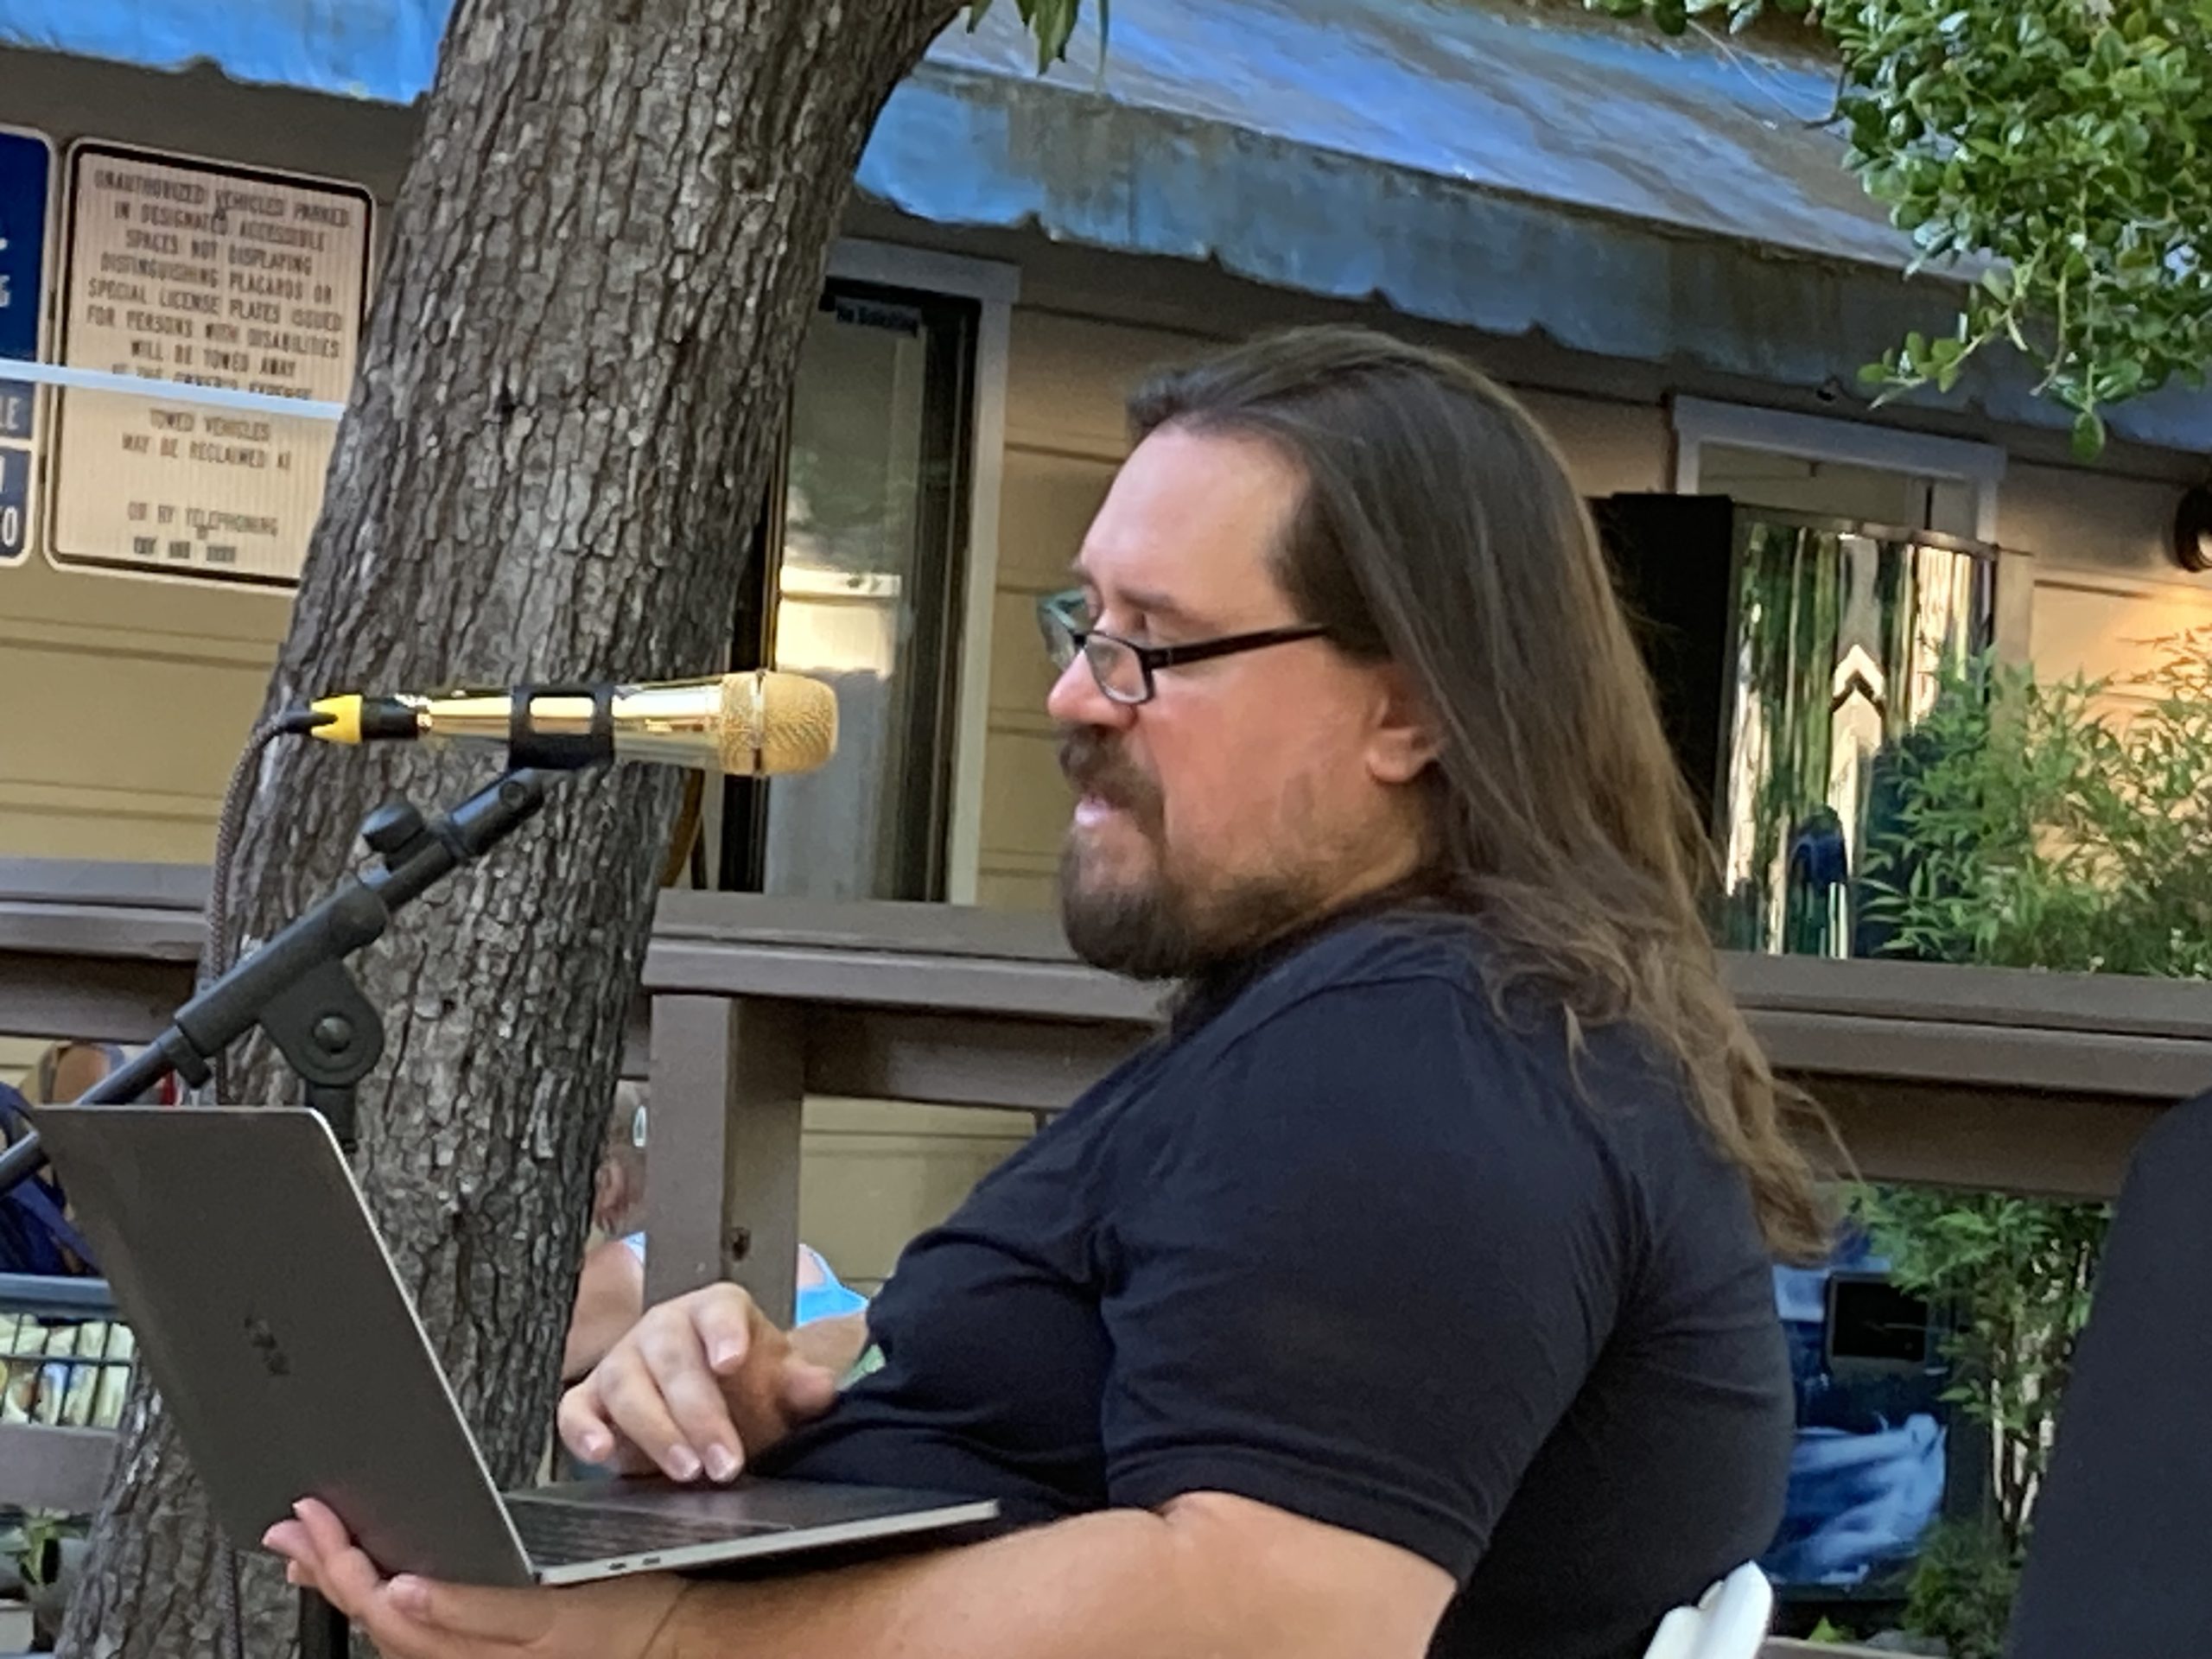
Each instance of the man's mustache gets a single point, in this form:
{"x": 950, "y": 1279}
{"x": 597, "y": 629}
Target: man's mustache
{"x": 1090, "y": 760}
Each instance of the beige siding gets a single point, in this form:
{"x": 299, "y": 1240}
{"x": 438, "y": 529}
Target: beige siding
{"x": 876, "y": 1172}
{"x": 1064, "y": 436}
{"x": 17, "y": 1056}
{"x": 2103, "y": 582}
{"x": 2102, "y": 624}
{"x": 128, "y": 700}
{"x": 1609, "y": 448}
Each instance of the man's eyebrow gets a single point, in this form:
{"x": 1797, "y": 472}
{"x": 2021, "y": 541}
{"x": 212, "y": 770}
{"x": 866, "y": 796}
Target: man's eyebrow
{"x": 1146, "y": 601}
{"x": 1156, "y": 605}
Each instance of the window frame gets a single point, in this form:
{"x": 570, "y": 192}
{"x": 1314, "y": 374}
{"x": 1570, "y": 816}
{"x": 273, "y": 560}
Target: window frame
{"x": 954, "y": 806}
{"x": 1699, "y": 421}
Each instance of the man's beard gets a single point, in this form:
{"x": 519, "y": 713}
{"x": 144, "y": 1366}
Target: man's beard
{"x": 1162, "y": 928}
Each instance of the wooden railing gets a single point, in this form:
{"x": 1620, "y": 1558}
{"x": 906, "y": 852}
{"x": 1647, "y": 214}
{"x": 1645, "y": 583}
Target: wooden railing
{"x": 2031, "y": 1081}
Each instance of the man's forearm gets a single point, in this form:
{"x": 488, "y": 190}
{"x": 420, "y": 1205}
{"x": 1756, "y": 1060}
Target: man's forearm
{"x": 1065, "y": 1592}
{"x": 1122, "y": 1583}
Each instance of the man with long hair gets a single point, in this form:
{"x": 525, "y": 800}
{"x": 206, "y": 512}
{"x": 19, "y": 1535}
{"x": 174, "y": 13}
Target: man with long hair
{"x": 1411, "y": 1292}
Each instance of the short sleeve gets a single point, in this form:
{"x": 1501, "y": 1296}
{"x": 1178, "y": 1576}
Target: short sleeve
{"x": 1367, "y": 1271}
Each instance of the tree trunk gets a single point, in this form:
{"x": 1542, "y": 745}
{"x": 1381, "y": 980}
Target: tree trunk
{"x": 606, "y": 252}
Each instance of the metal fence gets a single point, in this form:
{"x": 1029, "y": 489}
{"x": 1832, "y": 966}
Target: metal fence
{"x": 65, "y": 1358}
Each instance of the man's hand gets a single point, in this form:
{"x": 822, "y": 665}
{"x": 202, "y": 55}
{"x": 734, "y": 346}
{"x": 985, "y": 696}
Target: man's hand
{"x": 703, "y": 1382}
{"x": 412, "y": 1619}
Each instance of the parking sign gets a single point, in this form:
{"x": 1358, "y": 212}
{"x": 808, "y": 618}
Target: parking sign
{"x": 26, "y": 185}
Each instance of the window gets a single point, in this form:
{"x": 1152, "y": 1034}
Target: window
{"x": 864, "y": 576}
{"x": 1860, "y": 574}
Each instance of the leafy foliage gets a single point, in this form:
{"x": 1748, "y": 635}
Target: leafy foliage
{"x": 2065, "y": 141}
{"x": 2037, "y": 828}
{"x": 1052, "y": 21}
{"x": 2021, "y": 1269}
{"x": 34, "y": 1543}
{"x": 2051, "y": 826}
{"x": 1961, "y": 1591}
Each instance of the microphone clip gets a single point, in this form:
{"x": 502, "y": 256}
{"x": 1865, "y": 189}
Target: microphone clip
{"x": 532, "y": 746}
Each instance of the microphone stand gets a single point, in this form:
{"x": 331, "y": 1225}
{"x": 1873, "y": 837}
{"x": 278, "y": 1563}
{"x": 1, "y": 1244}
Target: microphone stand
{"x": 295, "y": 989}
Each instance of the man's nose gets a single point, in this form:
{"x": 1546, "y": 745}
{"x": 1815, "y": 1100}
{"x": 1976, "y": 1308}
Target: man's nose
{"x": 1075, "y": 700}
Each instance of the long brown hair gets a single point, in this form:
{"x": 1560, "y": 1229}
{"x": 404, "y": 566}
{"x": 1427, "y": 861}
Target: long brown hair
{"x": 1439, "y": 530}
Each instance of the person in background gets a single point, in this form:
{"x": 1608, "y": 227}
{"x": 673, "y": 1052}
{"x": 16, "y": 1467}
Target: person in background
{"x": 72, "y": 1373}
{"x": 37, "y": 1234}
{"x": 64, "y": 1070}
{"x": 611, "y": 1288}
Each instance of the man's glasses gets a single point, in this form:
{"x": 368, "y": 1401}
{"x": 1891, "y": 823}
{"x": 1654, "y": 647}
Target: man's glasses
{"x": 1123, "y": 668}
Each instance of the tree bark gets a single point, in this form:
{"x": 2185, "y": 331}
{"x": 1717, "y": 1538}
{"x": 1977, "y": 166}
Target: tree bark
{"x": 604, "y": 254}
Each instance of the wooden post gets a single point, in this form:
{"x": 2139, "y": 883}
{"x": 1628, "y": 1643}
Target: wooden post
{"x": 722, "y": 1147}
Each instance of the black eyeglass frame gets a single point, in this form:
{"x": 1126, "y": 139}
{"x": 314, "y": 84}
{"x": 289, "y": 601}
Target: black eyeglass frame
{"x": 1065, "y": 640}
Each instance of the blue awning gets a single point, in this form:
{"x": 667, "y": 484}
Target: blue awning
{"x": 1486, "y": 163}
{"x": 386, "y": 50}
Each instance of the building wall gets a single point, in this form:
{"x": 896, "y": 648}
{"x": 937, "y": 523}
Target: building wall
{"x": 2102, "y": 581}
{"x": 873, "y": 1173}
{"x": 109, "y": 782}
{"x": 145, "y": 691}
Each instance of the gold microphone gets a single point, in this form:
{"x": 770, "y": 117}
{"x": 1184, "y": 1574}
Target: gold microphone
{"x": 755, "y": 724}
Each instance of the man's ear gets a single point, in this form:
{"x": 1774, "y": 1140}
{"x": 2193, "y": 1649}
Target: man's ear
{"x": 1402, "y": 741}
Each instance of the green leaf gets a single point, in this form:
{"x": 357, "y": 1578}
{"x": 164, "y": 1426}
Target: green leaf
{"x": 2089, "y": 436}
{"x": 2067, "y": 144}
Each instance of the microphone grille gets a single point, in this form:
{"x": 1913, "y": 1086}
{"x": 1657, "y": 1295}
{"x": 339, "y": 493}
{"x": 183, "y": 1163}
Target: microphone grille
{"x": 777, "y": 723}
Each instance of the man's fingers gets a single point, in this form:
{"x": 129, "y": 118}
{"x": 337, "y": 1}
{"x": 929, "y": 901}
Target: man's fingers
{"x": 683, "y": 1390}
{"x": 692, "y": 1396}
{"x": 347, "y": 1579}
{"x": 809, "y": 1390}
{"x": 583, "y": 1423}
{"x": 633, "y": 1403}
{"x": 409, "y": 1617}
{"x": 515, "y": 1617}
{"x": 590, "y": 1431}
{"x": 325, "y": 1532}
{"x": 723, "y": 1321}
{"x": 399, "y": 1634}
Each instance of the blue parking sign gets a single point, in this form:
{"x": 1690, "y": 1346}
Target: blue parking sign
{"x": 26, "y": 184}
{"x": 14, "y": 501}
{"x": 26, "y": 167}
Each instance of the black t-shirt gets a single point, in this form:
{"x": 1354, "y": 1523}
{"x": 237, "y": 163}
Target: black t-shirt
{"x": 1349, "y": 1243}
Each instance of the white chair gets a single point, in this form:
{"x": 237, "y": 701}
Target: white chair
{"x": 1729, "y": 1621}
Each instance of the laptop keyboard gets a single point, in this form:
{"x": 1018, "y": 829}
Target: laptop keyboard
{"x": 562, "y": 1534}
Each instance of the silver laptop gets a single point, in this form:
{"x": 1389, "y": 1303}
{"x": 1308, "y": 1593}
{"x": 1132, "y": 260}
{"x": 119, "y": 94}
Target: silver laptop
{"x": 262, "y": 1298}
